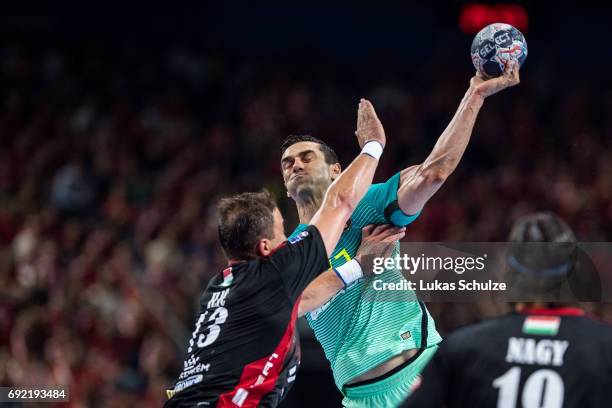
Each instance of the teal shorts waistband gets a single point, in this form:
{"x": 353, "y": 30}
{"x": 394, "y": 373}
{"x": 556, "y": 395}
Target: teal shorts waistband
{"x": 402, "y": 375}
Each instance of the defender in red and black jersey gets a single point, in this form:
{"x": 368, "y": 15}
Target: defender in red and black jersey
{"x": 543, "y": 355}
{"x": 244, "y": 350}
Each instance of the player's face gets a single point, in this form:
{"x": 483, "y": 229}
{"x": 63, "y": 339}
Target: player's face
{"x": 266, "y": 245}
{"x": 305, "y": 169}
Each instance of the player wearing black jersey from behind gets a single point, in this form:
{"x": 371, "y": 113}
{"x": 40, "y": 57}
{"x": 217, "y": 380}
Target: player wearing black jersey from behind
{"x": 244, "y": 349}
{"x": 544, "y": 355}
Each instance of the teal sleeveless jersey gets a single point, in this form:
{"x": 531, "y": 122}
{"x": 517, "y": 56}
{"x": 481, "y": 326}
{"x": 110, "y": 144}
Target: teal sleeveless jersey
{"x": 360, "y": 328}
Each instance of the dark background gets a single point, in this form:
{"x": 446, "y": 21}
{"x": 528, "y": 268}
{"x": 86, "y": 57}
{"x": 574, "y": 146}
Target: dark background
{"x": 121, "y": 125}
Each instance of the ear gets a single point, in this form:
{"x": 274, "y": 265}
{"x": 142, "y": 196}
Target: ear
{"x": 264, "y": 247}
{"x": 335, "y": 171}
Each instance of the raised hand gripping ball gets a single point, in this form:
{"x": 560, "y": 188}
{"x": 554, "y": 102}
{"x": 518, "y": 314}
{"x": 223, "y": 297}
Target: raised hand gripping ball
{"x": 495, "y": 46}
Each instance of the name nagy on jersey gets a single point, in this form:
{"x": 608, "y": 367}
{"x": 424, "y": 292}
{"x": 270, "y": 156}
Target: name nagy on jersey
{"x": 531, "y": 351}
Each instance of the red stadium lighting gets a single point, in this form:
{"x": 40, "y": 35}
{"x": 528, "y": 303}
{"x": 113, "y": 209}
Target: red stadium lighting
{"x": 475, "y": 16}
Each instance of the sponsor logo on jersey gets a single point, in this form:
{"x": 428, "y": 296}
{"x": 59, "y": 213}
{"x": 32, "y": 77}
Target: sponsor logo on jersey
{"x": 240, "y": 397}
{"x": 191, "y": 362}
{"x": 292, "y": 374}
{"x": 192, "y": 367}
{"x": 266, "y": 370}
{"x": 181, "y": 385}
{"x": 298, "y": 237}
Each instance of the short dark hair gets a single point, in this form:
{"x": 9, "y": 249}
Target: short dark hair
{"x": 244, "y": 219}
{"x": 539, "y": 271}
{"x": 330, "y": 155}
{"x": 541, "y": 227}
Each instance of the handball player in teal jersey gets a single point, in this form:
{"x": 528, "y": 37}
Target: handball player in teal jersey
{"x": 376, "y": 342}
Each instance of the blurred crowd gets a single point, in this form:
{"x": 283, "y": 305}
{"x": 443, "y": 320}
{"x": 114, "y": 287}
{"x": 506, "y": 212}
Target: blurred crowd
{"x": 111, "y": 162}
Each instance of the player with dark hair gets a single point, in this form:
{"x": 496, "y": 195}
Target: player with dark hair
{"x": 549, "y": 272}
{"x": 376, "y": 344}
{"x": 544, "y": 354}
{"x": 244, "y": 349}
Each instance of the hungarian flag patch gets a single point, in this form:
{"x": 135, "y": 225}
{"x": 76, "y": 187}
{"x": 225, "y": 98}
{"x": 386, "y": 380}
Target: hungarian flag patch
{"x": 228, "y": 278}
{"x": 542, "y": 325}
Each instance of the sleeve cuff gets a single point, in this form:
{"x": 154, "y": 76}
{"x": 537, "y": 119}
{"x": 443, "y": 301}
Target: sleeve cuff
{"x": 397, "y": 217}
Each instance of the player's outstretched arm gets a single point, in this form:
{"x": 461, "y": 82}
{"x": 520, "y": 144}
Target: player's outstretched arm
{"x": 419, "y": 183}
{"x": 347, "y": 190}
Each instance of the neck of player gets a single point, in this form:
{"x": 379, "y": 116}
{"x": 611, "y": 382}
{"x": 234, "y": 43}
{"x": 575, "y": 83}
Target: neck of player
{"x": 308, "y": 203}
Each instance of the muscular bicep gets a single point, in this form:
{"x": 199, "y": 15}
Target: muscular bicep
{"x": 415, "y": 189}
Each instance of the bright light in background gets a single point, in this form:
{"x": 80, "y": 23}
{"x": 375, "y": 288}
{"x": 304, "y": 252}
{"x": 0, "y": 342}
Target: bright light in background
{"x": 475, "y": 16}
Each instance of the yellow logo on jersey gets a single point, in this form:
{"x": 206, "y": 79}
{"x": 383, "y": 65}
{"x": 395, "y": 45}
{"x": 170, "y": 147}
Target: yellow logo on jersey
{"x": 344, "y": 253}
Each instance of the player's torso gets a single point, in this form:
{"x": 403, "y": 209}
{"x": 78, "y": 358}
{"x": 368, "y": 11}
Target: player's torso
{"x": 534, "y": 361}
{"x": 359, "y": 327}
{"x": 242, "y": 322}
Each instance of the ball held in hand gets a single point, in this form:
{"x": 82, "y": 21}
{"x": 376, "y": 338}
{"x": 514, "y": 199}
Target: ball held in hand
{"x": 495, "y": 46}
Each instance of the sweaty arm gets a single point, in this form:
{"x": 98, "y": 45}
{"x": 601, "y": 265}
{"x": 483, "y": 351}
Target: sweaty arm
{"x": 349, "y": 188}
{"x": 420, "y": 182}
{"x": 340, "y": 200}
{"x": 319, "y": 291}
{"x": 339, "y": 203}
